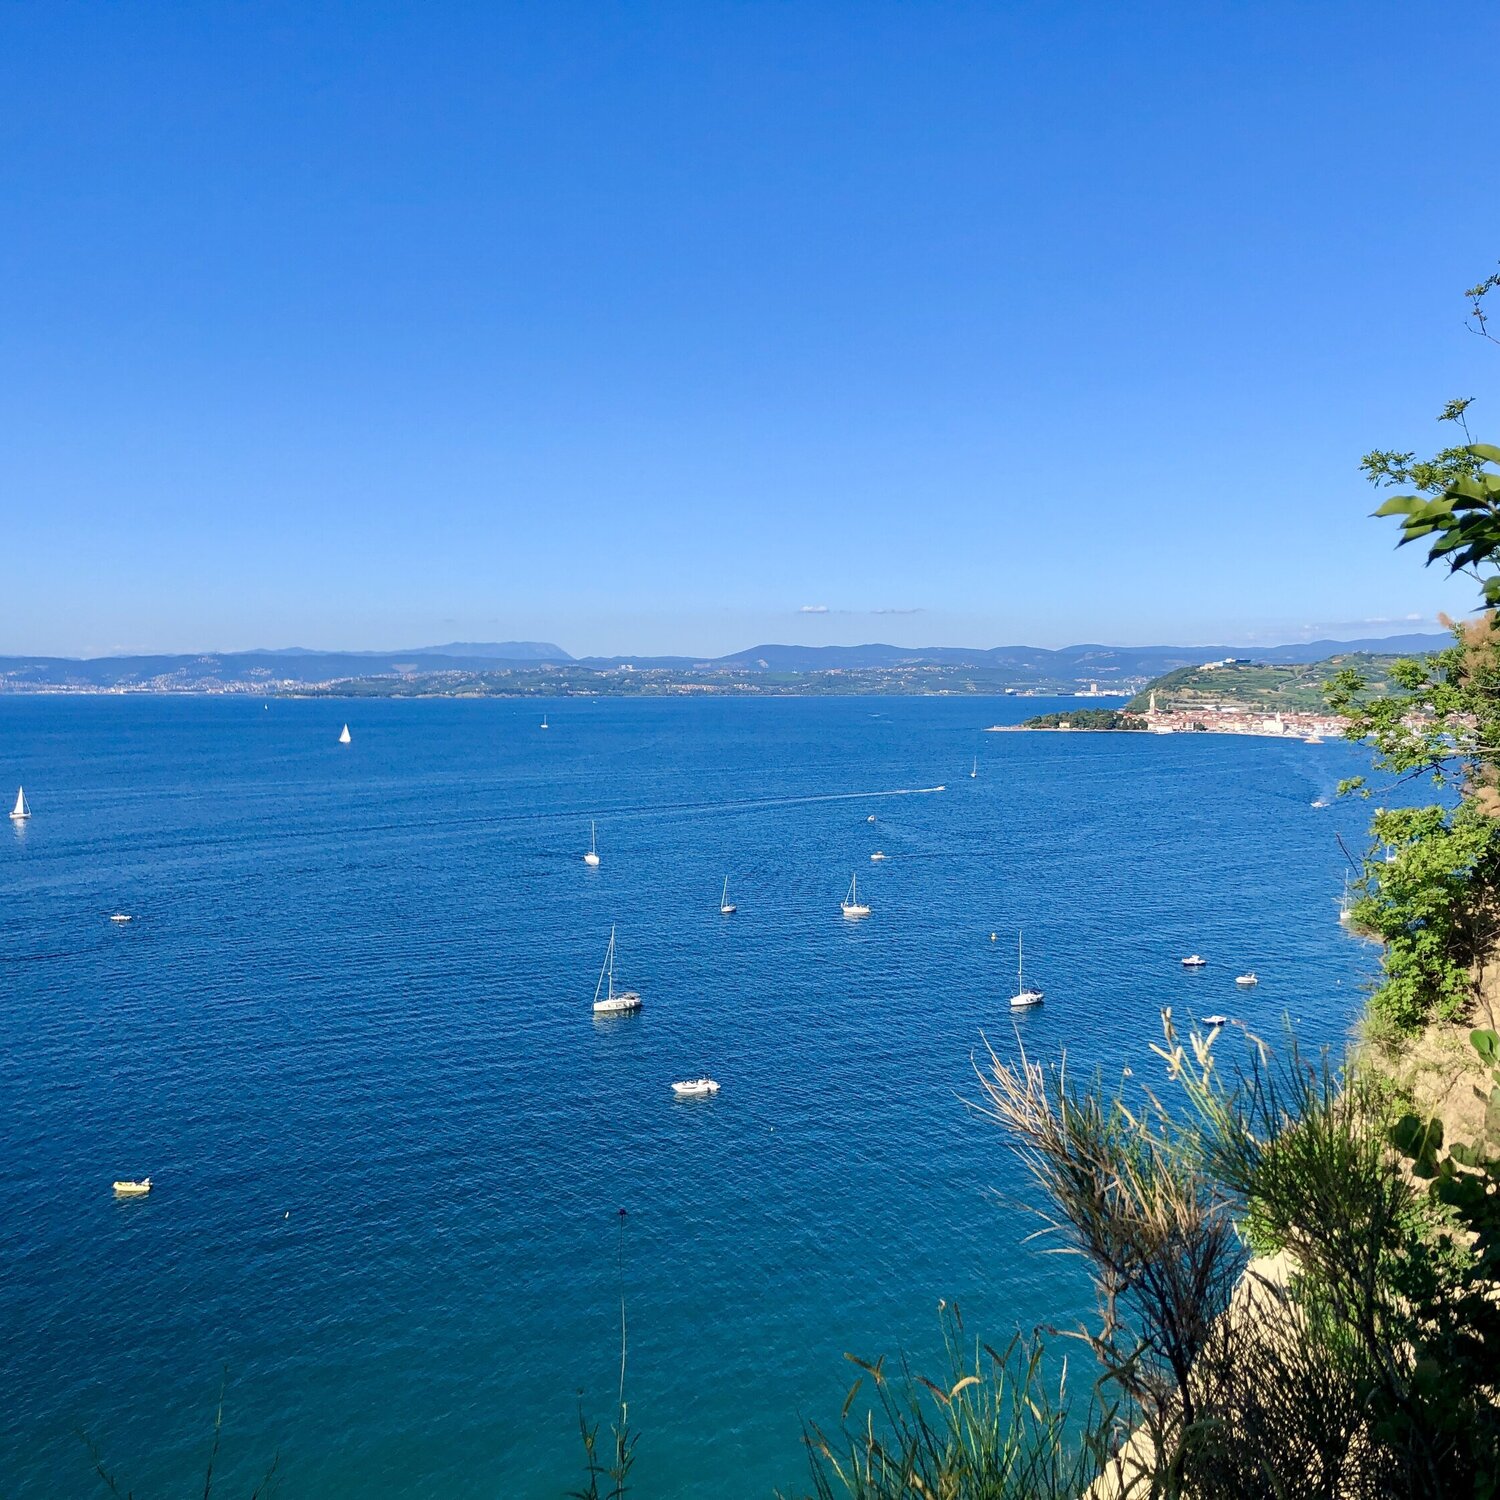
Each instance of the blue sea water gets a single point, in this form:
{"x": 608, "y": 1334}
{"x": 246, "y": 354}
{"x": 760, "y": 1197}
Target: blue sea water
{"x": 349, "y": 1036}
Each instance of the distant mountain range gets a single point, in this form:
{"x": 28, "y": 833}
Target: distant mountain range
{"x": 1021, "y": 666}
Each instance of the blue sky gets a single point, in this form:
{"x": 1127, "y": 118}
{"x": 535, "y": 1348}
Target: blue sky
{"x": 655, "y": 327}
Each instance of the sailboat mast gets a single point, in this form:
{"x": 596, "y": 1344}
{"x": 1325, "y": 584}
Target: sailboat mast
{"x": 1020, "y": 965}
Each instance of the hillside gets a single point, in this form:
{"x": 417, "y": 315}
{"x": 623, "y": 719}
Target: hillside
{"x": 1274, "y": 687}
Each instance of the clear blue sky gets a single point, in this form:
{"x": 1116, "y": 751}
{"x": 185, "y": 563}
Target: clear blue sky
{"x": 645, "y": 326}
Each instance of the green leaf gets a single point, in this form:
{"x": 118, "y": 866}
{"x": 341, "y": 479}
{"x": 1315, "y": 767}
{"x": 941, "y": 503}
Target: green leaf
{"x": 1487, "y": 451}
{"x": 1487, "y": 1044}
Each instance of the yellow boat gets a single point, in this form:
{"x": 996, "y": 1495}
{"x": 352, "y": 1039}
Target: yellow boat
{"x": 133, "y": 1189}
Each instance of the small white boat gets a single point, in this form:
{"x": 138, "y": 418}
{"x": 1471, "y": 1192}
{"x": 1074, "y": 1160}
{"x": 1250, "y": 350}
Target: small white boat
{"x": 878, "y": 855}
{"x": 20, "y": 812}
{"x": 1346, "y": 906}
{"x": 1312, "y": 739}
{"x": 544, "y": 722}
{"x": 1216, "y": 1020}
{"x": 1193, "y": 961}
{"x": 127, "y": 1188}
{"x": 121, "y": 916}
{"x": 614, "y": 1003}
{"x": 592, "y": 857}
{"x": 1246, "y": 980}
{"x": 851, "y": 906}
{"x": 1023, "y": 999}
{"x": 695, "y": 1088}
{"x": 726, "y": 907}
{"x": 871, "y": 818}
{"x": 1320, "y": 802}
{"x": 975, "y": 771}
{"x": 345, "y": 737}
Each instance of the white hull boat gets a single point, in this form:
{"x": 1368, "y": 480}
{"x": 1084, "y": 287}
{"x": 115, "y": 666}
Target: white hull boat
{"x": 1193, "y": 961}
{"x": 127, "y": 1188}
{"x": 345, "y": 737}
{"x": 609, "y": 1001}
{"x": 851, "y": 905}
{"x": 695, "y": 1088}
{"x": 727, "y": 907}
{"x": 1023, "y": 999}
{"x": 592, "y": 857}
{"x": 20, "y": 812}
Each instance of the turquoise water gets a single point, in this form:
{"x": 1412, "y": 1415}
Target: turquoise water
{"x": 348, "y": 1034}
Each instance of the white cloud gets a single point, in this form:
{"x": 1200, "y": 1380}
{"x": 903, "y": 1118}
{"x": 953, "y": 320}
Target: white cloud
{"x": 915, "y": 611}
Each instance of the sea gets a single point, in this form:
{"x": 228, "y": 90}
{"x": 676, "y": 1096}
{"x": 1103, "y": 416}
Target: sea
{"x": 403, "y": 1180}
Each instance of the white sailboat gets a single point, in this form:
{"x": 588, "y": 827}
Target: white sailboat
{"x": 614, "y": 1003}
{"x": 345, "y": 737}
{"x": 1346, "y": 906}
{"x": 544, "y": 721}
{"x": 851, "y": 905}
{"x": 21, "y": 811}
{"x": 975, "y": 771}
{"x": 592, "y": 857}
{"x": 1023, "y": 999}
{"x": 726, "y": 906}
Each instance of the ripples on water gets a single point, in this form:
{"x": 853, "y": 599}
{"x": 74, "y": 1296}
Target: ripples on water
{"x": 348, "y": 1034}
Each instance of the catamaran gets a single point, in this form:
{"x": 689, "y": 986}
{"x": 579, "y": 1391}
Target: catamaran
{"x": 592, "y": 857}
{"x": 851, "y": 905}
{"x": 613, "y": 1004}
{"x": 344, "y": 738}
{"x": 21, "y": 811}
{"x": 1023, "y": 999}
{"x": 726, "y": 906}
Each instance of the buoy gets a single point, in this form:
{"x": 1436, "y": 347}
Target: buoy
{"x": 993, "y": 937}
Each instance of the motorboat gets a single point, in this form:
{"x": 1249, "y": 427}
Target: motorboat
{"x": 1216, "y": 1020}
{"x": 1245, "y": 981}
{"x": 695, "y": 1088}
{"x": 127, "y": 1188}
{"x": 878, "y": 855}
{"x": 121, "y": 916}
{"x": 1193, "y": 961}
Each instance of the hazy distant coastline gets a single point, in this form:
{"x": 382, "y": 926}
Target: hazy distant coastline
{"x": 539, "y": 669}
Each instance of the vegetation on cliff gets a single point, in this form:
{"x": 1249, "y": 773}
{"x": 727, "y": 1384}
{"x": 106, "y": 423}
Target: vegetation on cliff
{"x": 1086, "y": 718}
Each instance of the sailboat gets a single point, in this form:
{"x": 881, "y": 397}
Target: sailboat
{"x": 345, "y": 737}
{"x": 544, "y": 721}
{"x": 850, "y": 905}
{"x": 1346, "y": 906}
{"x": 21, "y": 811}
{"x": 726, "y": 906}
{"x": 613, "y": 1004}
{"x": 1023, "y": 999}
{"x": 973, "y": 773}
{"x": 592, "y": 857}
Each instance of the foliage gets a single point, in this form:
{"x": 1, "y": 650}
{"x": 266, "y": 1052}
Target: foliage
{"x": 1430, "y": 900}
{"x": 606, "y": 1477}
{"x": 1085, "y": 718}
{"x": 265, "y": 1488}
{"x": 990, "y": 1431}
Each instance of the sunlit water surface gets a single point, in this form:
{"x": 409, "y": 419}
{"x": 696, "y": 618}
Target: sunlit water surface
{"x": 348, "y": 1034}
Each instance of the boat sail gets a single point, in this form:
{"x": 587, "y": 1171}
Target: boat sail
{"x": 613, "y": 1003}
{"x": 851, "y": 904}
{"x": 21, "y": 811}
{"x": 345, "y": 737}
{"x": 592, "y": 857}
{"x": 975, "y": 770}
{"x": 726, "y": 906}
{"x": 1023, "y": 998}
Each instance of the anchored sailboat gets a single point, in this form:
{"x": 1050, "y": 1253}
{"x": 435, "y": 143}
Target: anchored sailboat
{"x": 726, "y": 906}
{"x": 975, "y": 771}
{"x": 851, "y": 905}
{"x": 613, "y": 1004}
{"x": 1023, "y": 998}
{"x": 21, "y": 811}
{"x": 592, "y": 857}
